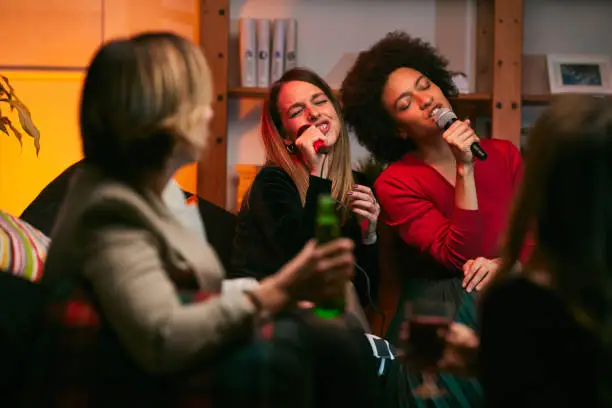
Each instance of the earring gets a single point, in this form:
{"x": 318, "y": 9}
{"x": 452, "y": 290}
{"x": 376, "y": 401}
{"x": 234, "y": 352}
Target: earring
{"x": 291, "y": 149}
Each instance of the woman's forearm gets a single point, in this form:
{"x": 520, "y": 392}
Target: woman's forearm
{"x": 465, "y": 188}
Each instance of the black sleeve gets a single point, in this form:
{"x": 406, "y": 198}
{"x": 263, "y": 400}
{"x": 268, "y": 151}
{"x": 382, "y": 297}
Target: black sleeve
{"x": 366, "y": 275}
{"x": 273, "y": 226}
{"x": 275, "y": 202}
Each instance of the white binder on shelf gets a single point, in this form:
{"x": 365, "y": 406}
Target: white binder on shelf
{"x": 291, "y": 44}
{"x": 279, "y": 33}
{"x": 248, "y": 52}
{"x": 263, "y": 52}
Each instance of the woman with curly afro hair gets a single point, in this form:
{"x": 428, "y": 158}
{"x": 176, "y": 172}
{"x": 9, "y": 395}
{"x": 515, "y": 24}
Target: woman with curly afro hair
{"x": 445, "y": 212}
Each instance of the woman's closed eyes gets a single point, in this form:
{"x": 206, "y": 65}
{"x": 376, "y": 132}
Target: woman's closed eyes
{"x": 297, "y": 110}
{"x": 422, "y": 85}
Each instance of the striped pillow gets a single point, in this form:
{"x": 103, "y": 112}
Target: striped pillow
{"x": 23, "y": 248}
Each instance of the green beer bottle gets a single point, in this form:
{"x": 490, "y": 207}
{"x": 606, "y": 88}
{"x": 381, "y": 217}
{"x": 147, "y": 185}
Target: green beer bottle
{"x": 327, "y": 228}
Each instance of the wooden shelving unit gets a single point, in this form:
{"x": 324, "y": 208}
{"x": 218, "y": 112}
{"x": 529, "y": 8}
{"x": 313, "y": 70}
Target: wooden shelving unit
{"x": 498, "y": 70}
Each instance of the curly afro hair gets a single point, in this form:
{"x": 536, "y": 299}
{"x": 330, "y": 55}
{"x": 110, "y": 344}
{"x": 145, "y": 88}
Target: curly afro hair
{"x": 361, "y": 91}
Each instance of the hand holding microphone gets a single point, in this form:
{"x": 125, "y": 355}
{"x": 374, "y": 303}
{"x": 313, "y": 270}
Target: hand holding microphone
{"x": 319, "y": 145}
{"x": 311, "y": 143}
{"x": 459, "y": 135}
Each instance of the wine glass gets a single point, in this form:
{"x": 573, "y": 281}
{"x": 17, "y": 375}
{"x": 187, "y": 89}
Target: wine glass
{"x": 427, "y": 324}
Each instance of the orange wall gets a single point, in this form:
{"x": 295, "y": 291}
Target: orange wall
{"x": 70, "y": 31}
{"x": 53, "y": 101}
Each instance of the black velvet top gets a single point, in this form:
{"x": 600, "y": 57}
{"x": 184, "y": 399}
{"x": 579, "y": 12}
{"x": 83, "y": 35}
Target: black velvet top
{"x": 533, "y": 352}
{"x": 273, "y": 227}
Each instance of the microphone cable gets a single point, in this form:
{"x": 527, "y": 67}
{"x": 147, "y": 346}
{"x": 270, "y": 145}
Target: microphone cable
{"x": 370, "y": 300}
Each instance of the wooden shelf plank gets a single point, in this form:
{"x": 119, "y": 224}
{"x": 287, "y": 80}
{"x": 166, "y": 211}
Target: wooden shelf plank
{"x": 531, "y": 99}
{"x": 545, "y": 99}
{"x": 247, "y": 93}
{"x": 474, "y": 97}
{"x": 260, "y": 93}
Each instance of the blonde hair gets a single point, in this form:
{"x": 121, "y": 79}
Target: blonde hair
{"x": 272, "y": 133}
{"x": 141, "y": 99}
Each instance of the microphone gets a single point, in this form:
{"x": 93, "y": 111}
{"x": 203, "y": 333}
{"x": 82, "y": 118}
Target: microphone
{"x": 444, "y": 118}
{"x": 318, "y": 145}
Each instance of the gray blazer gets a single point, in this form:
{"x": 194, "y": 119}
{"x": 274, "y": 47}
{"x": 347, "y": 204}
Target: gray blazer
{"x": 125, "y": 242}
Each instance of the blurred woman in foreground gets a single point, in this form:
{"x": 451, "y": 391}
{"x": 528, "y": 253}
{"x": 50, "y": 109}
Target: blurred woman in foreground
{"x": 136, "y": 315}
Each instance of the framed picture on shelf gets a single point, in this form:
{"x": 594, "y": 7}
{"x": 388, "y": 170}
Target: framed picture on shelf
{"x": 580, "y": 73}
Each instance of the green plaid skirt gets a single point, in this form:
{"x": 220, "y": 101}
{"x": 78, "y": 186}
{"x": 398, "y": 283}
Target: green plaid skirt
{"x": 460, "y": 392}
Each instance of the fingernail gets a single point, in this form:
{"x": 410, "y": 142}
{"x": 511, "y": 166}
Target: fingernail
{"x": 350, "y": 193}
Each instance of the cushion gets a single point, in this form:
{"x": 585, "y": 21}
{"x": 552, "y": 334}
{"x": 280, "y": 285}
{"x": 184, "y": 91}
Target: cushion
{"x": 23, "y": 248}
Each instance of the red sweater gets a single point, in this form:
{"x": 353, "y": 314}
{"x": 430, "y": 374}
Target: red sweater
{"x": 420, "y": 203}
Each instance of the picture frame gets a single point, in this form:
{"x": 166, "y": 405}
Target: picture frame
{"x": 579, "y": 73}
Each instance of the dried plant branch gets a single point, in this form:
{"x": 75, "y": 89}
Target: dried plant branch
{"x": 8, "y": 96}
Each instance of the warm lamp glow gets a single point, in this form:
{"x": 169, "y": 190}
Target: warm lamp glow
{"x": 73, "y": 30}
{"x": 53, "y": 100}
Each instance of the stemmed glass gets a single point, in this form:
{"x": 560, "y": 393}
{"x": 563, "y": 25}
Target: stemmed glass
{"x": 428, "y": 322}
